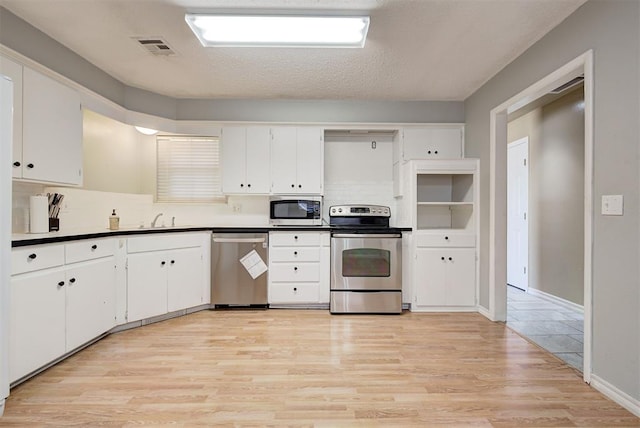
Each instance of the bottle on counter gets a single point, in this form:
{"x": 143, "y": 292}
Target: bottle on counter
{"x": 114, "y": 221}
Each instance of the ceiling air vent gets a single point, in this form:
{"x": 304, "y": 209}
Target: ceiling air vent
{"x": 155, "y": 45}
{"x": 570, "y": 84}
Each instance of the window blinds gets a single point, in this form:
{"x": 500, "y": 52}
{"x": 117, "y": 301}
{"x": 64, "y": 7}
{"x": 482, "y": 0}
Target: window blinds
{"x": 188, "y": 169}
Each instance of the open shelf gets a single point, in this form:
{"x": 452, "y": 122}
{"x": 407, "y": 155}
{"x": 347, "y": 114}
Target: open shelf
{"x": 445, "y": 216}
{"x": 445, "y": 201}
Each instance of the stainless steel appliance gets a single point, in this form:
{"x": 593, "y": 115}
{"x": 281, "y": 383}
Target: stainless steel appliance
{"x": 231, "y": 283}
{"x": 295, "y": 211}
{"x": 366, "y": 261}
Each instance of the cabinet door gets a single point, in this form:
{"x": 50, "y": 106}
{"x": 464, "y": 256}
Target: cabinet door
{"x": 461, "y": 277}
{"x": 258, "y": 160}
{"x": 284, "y": 160}
{"x": 234, "y": 160}
{"x": 432, "y": 143}
{"x": 37, "y": 321}
{"x": 52, "y": 130}
{"x": 185, "y": 288}
{"x": 309, "y": 160}
{"x": 147, "y": 285}
{"x": 14, "y": 71}
{"x": 90, "y": 301}
{"x": 430, "y": 279}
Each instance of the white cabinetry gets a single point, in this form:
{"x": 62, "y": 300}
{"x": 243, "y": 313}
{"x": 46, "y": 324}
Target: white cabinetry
{"x": 62, "y": 296}
{"x": 164, "y": 274}
{"x": 298, "y": 268}
{"x": 434, "y": 142}
{"x": 297, "y": 155}
{"x": 52, "y": 131}
{"x": 444, "y": 206}
{"x": 14, "y": 71}
{"x": 245, "y": 160}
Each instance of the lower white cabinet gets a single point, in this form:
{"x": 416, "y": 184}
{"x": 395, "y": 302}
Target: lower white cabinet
{"x": 164, "y": 274}
{"x": 62, "y": 296}
{"x": 299, "y": 268}
{"x": 444, "y": 276}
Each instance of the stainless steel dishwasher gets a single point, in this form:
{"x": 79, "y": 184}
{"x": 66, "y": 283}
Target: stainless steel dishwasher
{"x": 231, "y": 283}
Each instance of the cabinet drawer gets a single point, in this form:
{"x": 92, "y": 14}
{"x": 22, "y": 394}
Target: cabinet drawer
{"x": 164, "y": 242}
{"x": 294, "y": 254}
{"x": 89, "y": 249}
{"x": 446, "y": 240}
{"x": 293, "y": 293}
{"x": 30, "y": 259}
{"x": 294, "y": 272}
{"x": 293, "y": 239}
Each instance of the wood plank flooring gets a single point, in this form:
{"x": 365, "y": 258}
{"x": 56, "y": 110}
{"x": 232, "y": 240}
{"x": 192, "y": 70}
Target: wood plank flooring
{"x": 309, "y": 368}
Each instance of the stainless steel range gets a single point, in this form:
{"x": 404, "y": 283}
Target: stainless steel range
{"x": 366, "y": 261}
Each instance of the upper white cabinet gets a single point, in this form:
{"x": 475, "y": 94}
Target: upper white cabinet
{"x": 434, "y": 142}
{"x": 14, "y": 71}
{"x": 297, "y": 155}
{"x": 52, "y": 131}
{"x": 245, "y": 159}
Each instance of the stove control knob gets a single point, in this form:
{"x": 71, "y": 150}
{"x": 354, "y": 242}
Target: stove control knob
{"x": 333, "y": 210}
{"x": 339, "y": 210}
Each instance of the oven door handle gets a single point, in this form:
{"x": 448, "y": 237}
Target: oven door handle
{"x": 367, "y": 235}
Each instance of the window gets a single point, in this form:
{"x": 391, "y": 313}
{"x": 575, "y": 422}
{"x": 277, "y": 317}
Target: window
{"x": 188, "y": 169}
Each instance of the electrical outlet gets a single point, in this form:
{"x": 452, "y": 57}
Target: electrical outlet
{"x": 236, "y": 208}
{"x": 612, "y": 205}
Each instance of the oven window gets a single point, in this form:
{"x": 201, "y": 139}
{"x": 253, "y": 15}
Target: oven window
{"x": 366, "y": 262}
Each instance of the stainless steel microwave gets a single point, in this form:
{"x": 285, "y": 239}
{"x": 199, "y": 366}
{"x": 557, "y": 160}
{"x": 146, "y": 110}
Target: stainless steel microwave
{"x": 294, "y": 211}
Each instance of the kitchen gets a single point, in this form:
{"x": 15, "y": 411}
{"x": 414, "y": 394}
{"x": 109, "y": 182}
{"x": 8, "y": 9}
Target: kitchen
{"x": 431, "y": 113}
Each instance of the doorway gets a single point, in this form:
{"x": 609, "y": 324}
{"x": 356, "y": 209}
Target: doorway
{"x": 517, "y": 210}
{"x": 497, "y": 311}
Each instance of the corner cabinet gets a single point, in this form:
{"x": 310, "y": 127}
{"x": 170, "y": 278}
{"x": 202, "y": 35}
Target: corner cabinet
{"x": 444, "y": 204}
{"x": 297, "y": 155}
{"x": 245, "y": 160}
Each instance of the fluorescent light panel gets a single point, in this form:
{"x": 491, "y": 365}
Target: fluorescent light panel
{"x": 279, "y": 31}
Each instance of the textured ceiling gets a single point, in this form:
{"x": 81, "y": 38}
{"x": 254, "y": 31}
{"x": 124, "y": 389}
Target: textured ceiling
{"x": 416, "y": 49}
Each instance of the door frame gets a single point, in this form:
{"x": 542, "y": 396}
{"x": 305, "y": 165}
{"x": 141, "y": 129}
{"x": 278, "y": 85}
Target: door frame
{"x": 519, "y": 142}
{"x": 582, "y": 65}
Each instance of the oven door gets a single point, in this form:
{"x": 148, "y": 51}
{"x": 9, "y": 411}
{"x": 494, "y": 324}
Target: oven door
{"x": 366, "y": 261}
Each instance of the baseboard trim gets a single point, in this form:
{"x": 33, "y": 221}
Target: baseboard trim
{"x": 484, "y": 312}
{"x": 622, "y": 398}
{"x": 557, "y": 300}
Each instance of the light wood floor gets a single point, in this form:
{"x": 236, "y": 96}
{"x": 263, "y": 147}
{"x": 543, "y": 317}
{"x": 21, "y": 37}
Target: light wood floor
{"x": 308, "y": 368}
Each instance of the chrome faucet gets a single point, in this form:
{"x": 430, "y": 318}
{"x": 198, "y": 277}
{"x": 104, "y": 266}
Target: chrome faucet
{"x": 153, "y": 223}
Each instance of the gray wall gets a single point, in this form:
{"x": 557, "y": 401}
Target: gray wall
{"x": 612, "y": 30}
{"x": 27, "y": 40}
{"x": 556, "y": 195}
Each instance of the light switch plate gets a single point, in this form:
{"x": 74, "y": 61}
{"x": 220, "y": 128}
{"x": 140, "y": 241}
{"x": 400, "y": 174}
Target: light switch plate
{"x": 612, "y": 205}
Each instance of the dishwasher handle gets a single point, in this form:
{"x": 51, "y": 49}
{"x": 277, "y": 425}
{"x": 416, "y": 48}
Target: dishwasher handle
{"x": 239, "y": 240}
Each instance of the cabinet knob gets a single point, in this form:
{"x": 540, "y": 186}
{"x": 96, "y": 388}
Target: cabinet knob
{"x": 61, "y": 284}
{"x": 32, "y": 256}
{"x": 293, "y": 185}
{"x": 173, "y": 262}
{"x": 436, "y": 152}
{"x": 248, "y": 185}
{"x": 241, "y": 185}
{"x": 30, "y": 165}
{"x": 295, "y": 253}
{"x": 295, "y": 268}
{"x": 428, "y": 152}
{"x": 441, "y": 258}
{"x": 295, "y": 237}
{"x": 163, "y": 263}
{"x": 299, "y": 186}
{"x": 16, "y": 164}
{"x": 94, "y": 247}
{"x": 72, "y": 280}
{"x": 295, "y": 288}
{"x": 450, "y": 259}
{"x": 446, "y": 238}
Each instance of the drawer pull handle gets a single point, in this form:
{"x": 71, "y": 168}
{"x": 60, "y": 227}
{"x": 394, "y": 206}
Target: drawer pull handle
{"x": 295, "y": 237}
{"x": 446, "y": 238}
{"x": 61, "y": 284}
{"x": 295, "y": 268}
{"x": 32, "y": 256}
{"x": 295, "y": 289}
{"x": 295, "y": 253}
{"x": 72, "y": 280}
{"x": 94, "y": 247}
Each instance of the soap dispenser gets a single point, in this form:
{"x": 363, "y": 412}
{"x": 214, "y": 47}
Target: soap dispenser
{"x": 114, "y": 221}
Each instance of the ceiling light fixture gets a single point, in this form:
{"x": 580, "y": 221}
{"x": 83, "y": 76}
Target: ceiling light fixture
{"x": 146, "y": 131}
{"x": 279, "y": 30}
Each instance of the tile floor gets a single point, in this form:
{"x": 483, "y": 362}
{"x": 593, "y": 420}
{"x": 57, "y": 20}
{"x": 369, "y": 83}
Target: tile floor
{"x": 555, "y": 328}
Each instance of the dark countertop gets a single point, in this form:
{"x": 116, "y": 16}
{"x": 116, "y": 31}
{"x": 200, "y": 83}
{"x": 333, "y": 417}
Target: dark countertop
{"x": 24, "y": 240}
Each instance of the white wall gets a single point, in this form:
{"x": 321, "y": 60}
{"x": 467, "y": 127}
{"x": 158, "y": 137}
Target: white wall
{"x": 612, "y": 30}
